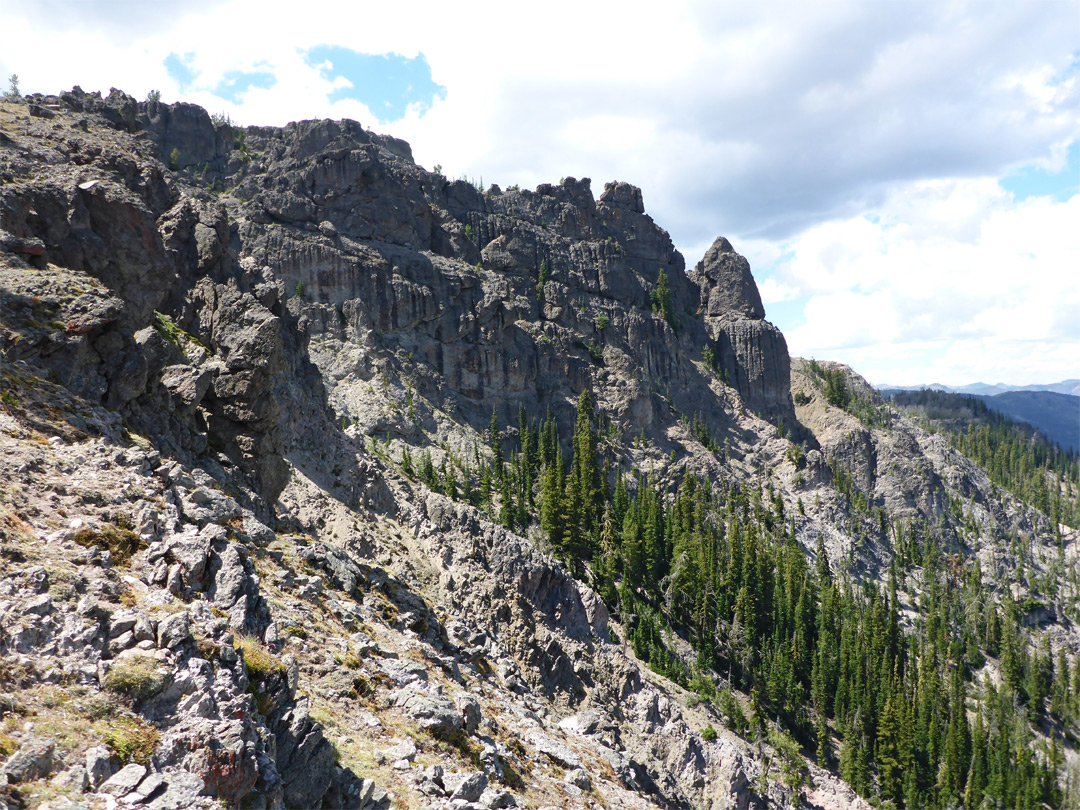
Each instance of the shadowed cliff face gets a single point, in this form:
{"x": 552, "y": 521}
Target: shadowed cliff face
{"x": 463, "y": 301}
{"x": 494, "y": 299}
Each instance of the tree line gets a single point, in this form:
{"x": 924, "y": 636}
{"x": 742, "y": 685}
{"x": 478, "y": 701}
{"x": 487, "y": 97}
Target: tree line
{"x": 714, "y": 589}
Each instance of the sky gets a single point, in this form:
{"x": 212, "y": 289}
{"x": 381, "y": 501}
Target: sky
{"x": 904, "y": 177}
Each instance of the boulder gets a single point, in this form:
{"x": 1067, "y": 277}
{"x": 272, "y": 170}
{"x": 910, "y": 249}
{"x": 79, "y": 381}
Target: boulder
{"x": 434, "y": 713}
{"x": 33, "y": 760}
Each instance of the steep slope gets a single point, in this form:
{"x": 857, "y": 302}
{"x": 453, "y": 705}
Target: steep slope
{"x": 257, "y": 389}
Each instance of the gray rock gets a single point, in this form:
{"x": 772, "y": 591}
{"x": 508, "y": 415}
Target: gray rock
{"x": 405, "y": 749}
{"x": 149, "y": 786}
{"x": 144, "y": 629}
{"x": 230, "y": 577}
{"x": 470, "y": 712}
{"x": 372, "y": 797}
{"x": 39, "y": 606}
{"x": 402, "y": 671}
{"x": 182, "y": 790}
{"x": 100, "y": 765}
{"x": 727, "y": 285}
{"x": 187, "y": 385}
{"x": 192, "y": 552}
{"x": 496, "y": 799}
{"x": 30, "y": 246}
{"x": 33, "y": 760}
{"x": 120, "y": 623}
{"x": 556, "y": 751}
{"x": 434, "y": 713}
{"x": 124, "y": 781}
{"x": 305, "y": 758}
{"x": 579, "y": 779}
{"x": 175, "y": 630}
{"x": 204, "y": 505}
{"x": 73, "y": 779}
{"x": 471, "y": 787}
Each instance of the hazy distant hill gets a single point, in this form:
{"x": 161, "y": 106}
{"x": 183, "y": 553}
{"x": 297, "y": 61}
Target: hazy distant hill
{"x": 1071, "y": 387}
{"x": 1056, "y": 415}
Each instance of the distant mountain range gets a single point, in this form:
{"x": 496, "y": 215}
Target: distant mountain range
{"x": 980, "y": 389}
{"x": 1053, "y": 410}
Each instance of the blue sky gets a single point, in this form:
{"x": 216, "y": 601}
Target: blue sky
{"x": 904, "y": 177}
{"x": 1059, "y": 183}
{"x": 387, "y": 83}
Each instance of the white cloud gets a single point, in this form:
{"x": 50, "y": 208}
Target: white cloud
{"x": 956, "y": 264}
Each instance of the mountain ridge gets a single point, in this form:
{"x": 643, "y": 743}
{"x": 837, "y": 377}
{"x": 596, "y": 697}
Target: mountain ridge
{"x": 261, "y": 388}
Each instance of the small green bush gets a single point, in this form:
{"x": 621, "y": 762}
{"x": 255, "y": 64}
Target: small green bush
{"x": 257, "y": 659}
{"x": 734, "y": 717}
{"x": 131, "y": 739}
{"x": 137, "y": 678}
{"x": 708, "y": 733}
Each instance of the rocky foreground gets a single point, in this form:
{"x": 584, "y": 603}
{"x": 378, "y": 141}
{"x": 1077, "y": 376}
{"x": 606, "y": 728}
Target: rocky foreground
{"x": 219, "y": 586}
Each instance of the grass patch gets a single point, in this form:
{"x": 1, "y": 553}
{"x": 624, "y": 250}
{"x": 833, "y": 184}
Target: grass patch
{"x": 168, "y": 329}
{"x": 262, "y": 669}
{"x": 136, "y": 678}
{"x": 131, "y": 739}
{"x": 258, "y": 660}
{"x": 121, "y": 541}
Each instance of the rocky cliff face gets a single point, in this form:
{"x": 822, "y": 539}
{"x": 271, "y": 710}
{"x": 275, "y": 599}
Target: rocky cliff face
{"x": 218, "y": 586}
{"x": 753, "y": 351}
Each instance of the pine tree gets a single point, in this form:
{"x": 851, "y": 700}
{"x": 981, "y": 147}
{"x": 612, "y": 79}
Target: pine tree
{"x": 496, "y": 446}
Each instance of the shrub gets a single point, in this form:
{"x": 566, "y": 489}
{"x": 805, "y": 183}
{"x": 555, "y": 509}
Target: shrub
{"x": 137, "y": 678}
{"x": 545, "y": 272}
{"x": 13, "y": 91}
{"x": 797, "y": 456}
{"x": 596, "y": 353}
{"x": 174, "y": 159}
{"x": 120, "y": 541}
{"x": 734, "y": 717}
{"x": 793, "y": 770}
{"x": 602, "y": 322}
{"x": 257, "y": 659}
{"x": 131, "y": 739}
{"x": 708, "y": 733}
{"x": 154, "y": 96}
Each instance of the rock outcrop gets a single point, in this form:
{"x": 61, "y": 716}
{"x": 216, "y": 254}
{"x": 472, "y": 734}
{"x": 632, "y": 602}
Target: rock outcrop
{"x": 753, "y": 352}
